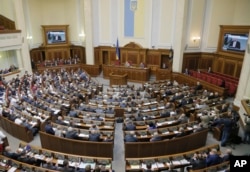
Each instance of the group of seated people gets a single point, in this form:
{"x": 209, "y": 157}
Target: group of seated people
{"x": 94, "y": 133}
{"x": 52, "y": 83}
{"x": 28, "y": 156}
{"x": 206, "y": 158}
{"x": 12, "y": 68}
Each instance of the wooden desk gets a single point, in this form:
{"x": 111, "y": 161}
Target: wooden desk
{"x": 117, "y": 79}
{"x": 135, "y": 74}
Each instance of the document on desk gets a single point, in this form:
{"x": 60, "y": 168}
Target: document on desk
{"x": 60, "y": 161}
{"x": 12, "y": 169}
{"x": 176, "y": 162}
{"x": 83, "y": 135}
{"x": 160, "y": 165}
{"x": 135, "y": 166}
{"x": 184, "y": 161}
{"x": 83, "y": 165}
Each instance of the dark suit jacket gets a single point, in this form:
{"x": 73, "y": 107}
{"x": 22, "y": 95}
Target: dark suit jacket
{"x": 94, "y": 137}
{"x": 213, "y": 159}
{"x": 130, "y": 127}
{"x": 71, "y": 135}
{"x": 156, "y": 138}
{"x": 49, "y": 129}
{"x": 234, "y": 44}
{"x": 12, "y": 155}
{"x": 198, "y": 164}
{"x": 130, "y": 138}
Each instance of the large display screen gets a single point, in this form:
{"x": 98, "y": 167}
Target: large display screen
{"x": 55, "y": 37}
{"x": 235, "y": 42}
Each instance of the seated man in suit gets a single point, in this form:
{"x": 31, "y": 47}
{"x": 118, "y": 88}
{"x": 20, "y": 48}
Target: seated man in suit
{"x": 72, "y": 112}
{"x": 182, "y": 132}
{"x": 130, "y": 126}
{"x": 198, "y": 161}
{"x": 213, "y": 158}
{"x": 94, "y": 136}
{"x": 71, "y": 134}
{"x": 183, "y": 119}
{"x": 33, "y": 128}
{"x": 155, "y": 137}
{"x": 13, "y": 155}
{"x": 60, "y": 121}
{"x": 130, "y": 137}
{"x": 97, "y": 118}
{"x": 48, "y": 128}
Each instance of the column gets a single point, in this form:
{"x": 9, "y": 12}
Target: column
{"x": 180, "y": 34}
{"x": 20, "y": 24}
{"x": 88, "y": 32}
{"x": 243, "y": 91}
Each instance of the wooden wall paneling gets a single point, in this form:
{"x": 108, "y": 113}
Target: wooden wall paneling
{"x": 123, "y": 57}
{"x": 153, "y": 60}
{"x": 190, "y": 61}
{"x": 205, "y": 63}
{"x": 105, "y": 57}
{"x": 78, "y": 52}
{"x": 219, "y": 65}
{"x": 97, "y": 56}
{"x": 132, "y": 57}
{"x": 229, "y": 67}
{"x": 209, "y": 60}
{"x": 112, "y": 56}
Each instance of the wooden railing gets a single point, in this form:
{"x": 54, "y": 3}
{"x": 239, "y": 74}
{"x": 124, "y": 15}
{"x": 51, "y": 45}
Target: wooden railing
{"x": 172, "y": 146}
{"x": 77, "y": 147}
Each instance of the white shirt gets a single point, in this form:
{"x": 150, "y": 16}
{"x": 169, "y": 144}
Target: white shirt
{"x": 18, "y": 121}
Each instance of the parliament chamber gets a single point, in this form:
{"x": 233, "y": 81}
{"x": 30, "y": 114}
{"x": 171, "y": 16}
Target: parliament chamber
{"x": 80, "y": 102}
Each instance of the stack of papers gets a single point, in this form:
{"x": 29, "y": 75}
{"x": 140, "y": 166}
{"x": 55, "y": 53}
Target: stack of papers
{"x": 135, "y": 166}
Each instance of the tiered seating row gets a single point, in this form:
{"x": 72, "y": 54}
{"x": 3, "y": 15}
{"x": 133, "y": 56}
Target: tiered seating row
{"x": 77, "y": 147}
{"x": 16, "y": 130}
{"x": 166, "y": 132}
{"x": 166, "y": 147}
{"x": 56, "y": 158}
{"x": 179, "y": 160}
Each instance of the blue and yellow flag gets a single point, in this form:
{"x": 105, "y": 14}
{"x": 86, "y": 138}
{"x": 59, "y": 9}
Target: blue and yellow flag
{"x": 117, "y": 50}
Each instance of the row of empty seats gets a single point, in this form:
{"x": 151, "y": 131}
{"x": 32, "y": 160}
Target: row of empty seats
{"x": 217, "y": 79}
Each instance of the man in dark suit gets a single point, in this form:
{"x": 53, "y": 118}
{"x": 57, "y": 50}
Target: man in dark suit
{"x": 181, "y": 133}
{"x": 197, "y": 162}
{"x": 72, "y": 112}
{"x": 156, "y": 137}
{"x": 60, "y": 121}
{"x": 71, "y": 134}
{"x": 49, "y": 129}
{"x": 9, "y": 153}
{"x": 227, "y": 155}
{"x": 213, "y": 158}
{"x": 234, "y": 44}
{"x": 94, "y": 136}
{"x": 130, "y": 137}
{"x": 130, "y": 126}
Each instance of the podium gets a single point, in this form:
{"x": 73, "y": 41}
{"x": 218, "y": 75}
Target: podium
{"x": 115, "y": 79}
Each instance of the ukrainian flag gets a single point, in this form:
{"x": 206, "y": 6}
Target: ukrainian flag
{"x": 134, "y": 14}
{"x": 117, "y": 50}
